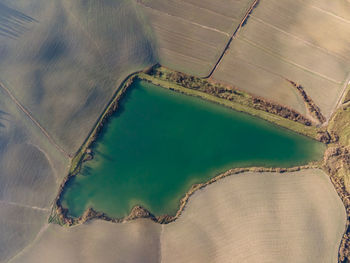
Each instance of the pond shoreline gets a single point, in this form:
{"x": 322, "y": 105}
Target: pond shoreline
{"x": 328, "y": 136}
{"x": 60, "y": 215}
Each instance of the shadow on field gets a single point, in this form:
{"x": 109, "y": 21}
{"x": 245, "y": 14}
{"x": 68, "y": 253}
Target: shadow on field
{"x": 13, "y": 22}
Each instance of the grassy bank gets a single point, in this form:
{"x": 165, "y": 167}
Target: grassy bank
{"x": 337, "y": 165}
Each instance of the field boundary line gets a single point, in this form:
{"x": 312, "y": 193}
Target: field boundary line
{"x": 26, "y": 112}
{"x": 243, "y": 21}
{"x": 24, "y": 206}
{"x": 274, "y": 54}
{"x": 183, "y": 19}
{"x": 331, "y": 14}
{"x": 299, "y": 38}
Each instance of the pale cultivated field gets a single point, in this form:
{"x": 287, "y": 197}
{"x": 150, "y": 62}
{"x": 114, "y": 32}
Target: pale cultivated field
{"x": 18, "y": 226}
{"x": 64, "y": 59}
{"x": 229, "y": 8}
{"x": 62, "y": 64}
{"x": 98, "y": 241}
{"x": 294, "y": 217}
{"x": 238, "y": 64}
{"x": 191, "y": 12}
{"x": 191, "y": 35}
{"x": 320, "y": 23}
{"x": 188, "y": 63}
{"x": 303, "y": 41}
{"x": 340, "y": 7}
{"x": 251, "y": 217}
{"x": 190, "y": 42}
{"x": 61, "y": 60}
{"x": 31, "y": 169}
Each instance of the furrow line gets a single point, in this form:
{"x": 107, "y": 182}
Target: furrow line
{"x": 185, "y": 56}
{"x": 268, "y": 51}
{"x": 184, "y": 36}
{"x": 330, "y": 14}
{"x": 299, "y": 38}
{"x": 26, "y": 112}
{"x": 207, "y": 9}
{"x": 183, "y": 19}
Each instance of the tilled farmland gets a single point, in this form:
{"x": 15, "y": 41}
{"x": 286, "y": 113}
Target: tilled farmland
{"x": 62, "y": 61}
{"x": 293, "y": 40}
{"x": 192, "y": 35}
{"x": 248, "y": 217}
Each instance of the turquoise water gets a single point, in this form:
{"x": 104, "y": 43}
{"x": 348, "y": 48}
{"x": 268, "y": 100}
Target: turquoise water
{"x": 160, "y": 142}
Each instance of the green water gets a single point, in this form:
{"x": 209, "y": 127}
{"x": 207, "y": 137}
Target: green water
{"x": 160, "y": 143}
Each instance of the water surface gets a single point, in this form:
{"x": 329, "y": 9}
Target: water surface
{"x": 160, "y": 142}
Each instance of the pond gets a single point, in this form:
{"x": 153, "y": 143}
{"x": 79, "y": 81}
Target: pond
{"x": 160, "y": 142}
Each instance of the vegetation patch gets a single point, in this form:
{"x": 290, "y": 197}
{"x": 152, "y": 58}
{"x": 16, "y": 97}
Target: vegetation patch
{"x": 347, "y": 95}
{"x": 337, "y": 165}
{"x": 236, "y": 99}
{"x": 310, "y": 104}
